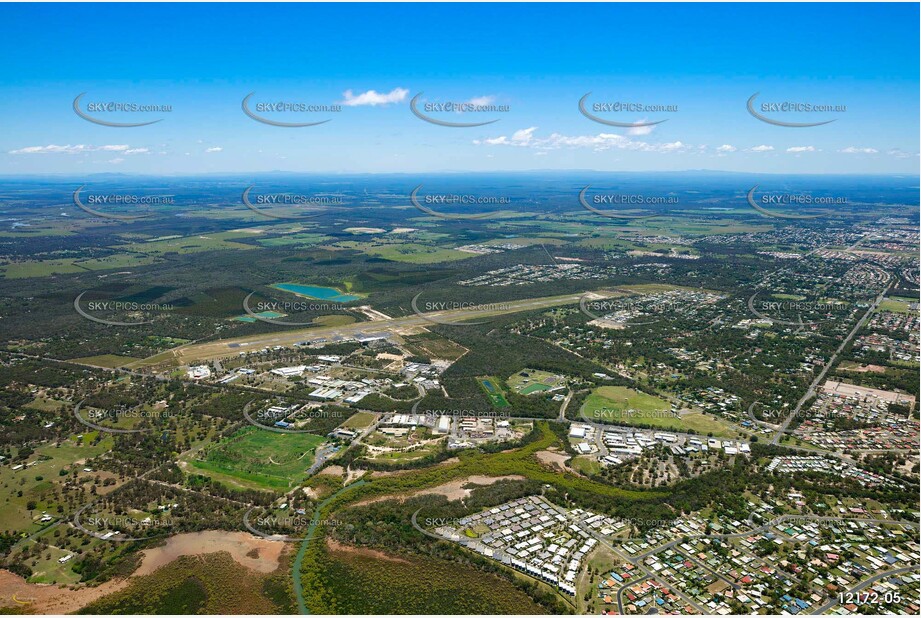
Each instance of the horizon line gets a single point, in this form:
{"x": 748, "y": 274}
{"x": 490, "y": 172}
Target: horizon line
{"x": 459, "y": 172}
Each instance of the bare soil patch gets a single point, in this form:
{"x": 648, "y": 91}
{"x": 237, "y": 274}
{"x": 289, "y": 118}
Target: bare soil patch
{"x": 237, "y": 544}
{"x": 554, "y": 459}
{"x": 16, "y": 593}
{"x": 248, "y": 550}
{"x": 452, "y": 491}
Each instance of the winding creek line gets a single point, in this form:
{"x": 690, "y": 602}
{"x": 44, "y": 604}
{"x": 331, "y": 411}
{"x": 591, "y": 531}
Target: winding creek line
{"x": 296, "y": 567}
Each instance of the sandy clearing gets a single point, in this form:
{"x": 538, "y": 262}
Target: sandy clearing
{"x": 455, "y": 490}
{"x": 237, "y": 544}
{"x": 353, "y": 475}
{"x": 51, "y": 599}
{"x": 452, "y": 491}
{"x": 553, "y": 458}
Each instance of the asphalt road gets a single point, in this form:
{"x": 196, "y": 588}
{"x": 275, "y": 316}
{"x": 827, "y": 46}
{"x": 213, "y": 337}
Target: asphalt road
{"x": 831, "y": 361}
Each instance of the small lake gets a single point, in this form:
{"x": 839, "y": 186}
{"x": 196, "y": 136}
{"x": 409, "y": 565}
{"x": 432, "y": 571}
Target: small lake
{"x": 315, "y": 291}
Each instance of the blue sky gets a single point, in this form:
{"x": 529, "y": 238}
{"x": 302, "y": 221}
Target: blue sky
{"x": 705, "y": 60}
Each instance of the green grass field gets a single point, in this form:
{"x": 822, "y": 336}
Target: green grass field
{"x": 359, "y": 420}
{"x": 608, "y": 399}
{"x": 528, "y": 381}
{"x": 259, "y": 459}
{"x": 585, "y": 464}
{"x": 334, "y": 320}
{"x": 105, "y": 360}
{"x": 624, "y": 405}
{"x": 897, "y": 304}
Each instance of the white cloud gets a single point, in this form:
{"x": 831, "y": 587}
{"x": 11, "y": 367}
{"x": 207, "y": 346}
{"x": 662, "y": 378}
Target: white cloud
{"x": 643, "y": 130}
{"x": 900, "y": 154}
{"x": 600, "y": 142}
{"x": 373, "y": 97}
{"x": 521, "y": 137}
{"x": 726, "y": 148}
{"x": 214, "y": 149}
{"x": 801, "y": 149}
{"x": 485, "y": 100}
{"x": 116, "y": 160}
{"x": 79, "y": 149}
{"x": 856, "y": 150}
{"x": 50, "y": 148}
{"x": 761, "y": 148}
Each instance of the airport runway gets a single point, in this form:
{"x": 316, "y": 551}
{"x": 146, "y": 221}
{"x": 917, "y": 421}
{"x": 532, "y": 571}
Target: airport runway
{"x": 203, "y": 352}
